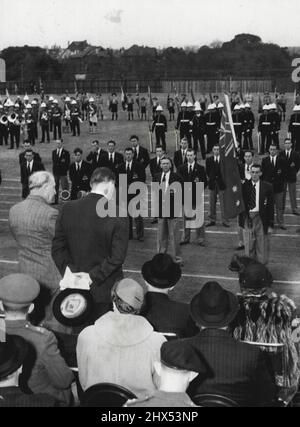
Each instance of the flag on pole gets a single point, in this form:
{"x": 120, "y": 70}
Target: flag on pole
{"x": 295, "y": 96}
{"x": 260, "y": 105}
{"x": 241, "y": 97}
{"x": 150, "y": 97}
{"x": 6, "y": 93}
{"x": 75, "y": 87}
{"x": 123, "y": 99}
{"x": 193, "y": 96}
{"x": 176, "y": 97}
{"x": 211, "y": 98}
{"x": 233, "y": 198}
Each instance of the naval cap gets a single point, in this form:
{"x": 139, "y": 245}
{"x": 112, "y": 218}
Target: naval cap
{"x": 19, "y": 289}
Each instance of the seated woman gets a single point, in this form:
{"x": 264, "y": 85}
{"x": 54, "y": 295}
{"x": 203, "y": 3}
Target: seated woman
{"x": 268, "y": 320}
{"x": 121, "y": 347}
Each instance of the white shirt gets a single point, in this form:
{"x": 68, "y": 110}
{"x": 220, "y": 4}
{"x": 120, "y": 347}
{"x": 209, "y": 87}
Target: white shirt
{"x": 29, "y": 165}
{"x": 257, "y": 187}
{"x": 78, "y": 165}
{"x": 288, "y": 153}
{"x": 111, "y": 157}
{"x": 136, "y": 150}
{"x": 189, "y": 166}
{"x": 247, "y": 172}
{"x": 273, "y": 160}
{"x": 128, "y": 164}
{"x": 167, "y": 178}
{"x": 217, "y": 159}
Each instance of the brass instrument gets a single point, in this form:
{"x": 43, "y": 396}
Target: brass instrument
{"x": 4, "y": 120}
{"x": 65, "y": 195}
{"x": 12, "y": 118}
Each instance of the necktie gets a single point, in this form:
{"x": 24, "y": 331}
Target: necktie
{"x": 252, "y": 202}
{"x": 28, "y": 167}
{"x": 110, "y": 158}
{"x": 191, "y": 169}
{"x": 248, "y": 168}
{"x": 273, "y": 161}
{"x": 164, "y": 178}
{"x": 128, "y": 167}
{"x": 288, "y": 155}
{"x": 78, "y": 167}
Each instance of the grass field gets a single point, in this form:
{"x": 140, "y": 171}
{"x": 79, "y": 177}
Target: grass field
{"x": 200, "y": 264}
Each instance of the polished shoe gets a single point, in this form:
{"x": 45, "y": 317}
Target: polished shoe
{"x": 226, "y": 225}
{"x": 154, "y": 221}
{"x": 201, "y": 244}
{"x": 210, "y": 224}
{"x": 184, "y": 242}
{"x": 282, "y": 227}
{"x": 296, "y": 213}
{"x": 240, "y": 248}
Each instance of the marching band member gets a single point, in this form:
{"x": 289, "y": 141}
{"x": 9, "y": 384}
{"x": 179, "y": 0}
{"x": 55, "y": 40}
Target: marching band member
{"x": 237, "y": 118}
{"x": 113, "y": 106}
{"x": 160, "y": 127}
{"x": 15, "y": 121}
{"x": 56, "y": 117}
{"x": 264, "y": 127}
{"x": 143, "y": 105}
{"x": 130, "y": 103}
{"x": 294, "y": 128}
{"x": 67, "y": 112}
{"x": 213, "y": 120}
{"x": 30, "y": 124}
{"x": 3, "y": 126}
{"x": 183, "y": 122}
{"x": 50, "y": 110}
{"x": 75, "y": 118}
{"x": 44, "y": 122}
{"x": 171, "y": 108}
{"x": 35, "y": 114}
{"x": 275, "y": 125}
{"x": 248, "y": 126}
{"x": 93, "y": 118}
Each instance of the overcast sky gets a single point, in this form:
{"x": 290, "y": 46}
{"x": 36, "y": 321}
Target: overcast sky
{"x": 158, "y": 23}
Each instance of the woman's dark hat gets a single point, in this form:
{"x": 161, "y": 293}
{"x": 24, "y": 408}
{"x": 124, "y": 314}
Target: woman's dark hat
{"x": 73, "y": 307}
{"x": 213, "y": 306}
{"x": 12, "y": 355}
{"x": 161, "y": 272}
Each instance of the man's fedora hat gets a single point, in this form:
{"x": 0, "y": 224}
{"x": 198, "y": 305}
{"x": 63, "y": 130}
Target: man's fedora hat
{"x": 161, "y": 272}
{"x": 106, "y": 394}
{"x": 73, "y": 307}
{"x": 213, "y": 306}
{"x": 12, "y": 355}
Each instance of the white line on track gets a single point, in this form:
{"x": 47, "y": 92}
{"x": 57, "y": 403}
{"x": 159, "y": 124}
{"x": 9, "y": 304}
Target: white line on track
{"x": 194, "y": 276}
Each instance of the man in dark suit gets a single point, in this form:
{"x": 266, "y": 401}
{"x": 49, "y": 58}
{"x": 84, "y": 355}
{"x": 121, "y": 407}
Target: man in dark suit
{"x": 80, "y": 174}
{"x": 274, "y": 171}
{"x": 90, "y": 244}
{"x": 111, "y": 157}
{"x": 292, "y": 160}
{"x": 27, "y": 145}
{"x": 258, "y": 218}
{"x": 28, "y": 167}
{"x": 155, "y": 166}
{"x": 180, "y": 155}
{"x": 135, "y": 172}
{"x": 60, "y": 168}
{"x": 169, "y": 202}
{"x": 236, "y": 370}
{"x": 167, "y": 316}
{"x": 216, "y": 186}
{"x": 193, "y": 172}
{"x": 140, "y": 154}
{"x": 96, "y": 157}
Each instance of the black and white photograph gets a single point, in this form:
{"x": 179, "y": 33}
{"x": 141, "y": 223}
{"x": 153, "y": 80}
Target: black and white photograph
{"x": 149, "y": 206}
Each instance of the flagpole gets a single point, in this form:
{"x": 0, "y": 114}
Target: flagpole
{"x": 227, "y": 104}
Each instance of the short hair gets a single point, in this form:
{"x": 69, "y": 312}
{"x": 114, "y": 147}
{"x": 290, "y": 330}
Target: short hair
{"x": 167, "y": 158}
{"x": 191, "y": 150}
{"x": 159, "y": 146}
{"x": 288, "y": 140}
{"x": 39, "y": 179}
{"x": 134, "y": 137}
{"x": 129, "y": 149}
{"x": 102, "y": 175}
{"x": 78, "y": 150}
{"x": 216, "y": 145}
{"x": 111, "y": 142}
{"x": 27, "y": 142}
{"x": 28, "y": 150}
{"x": 249, "y": 151}
{"x": 273, "y": 145}
{"x": 184, "y": 139}
{"x": 256, "y": 165}
{"x": 96, "y": 142}
{"x": 122, "y": 306}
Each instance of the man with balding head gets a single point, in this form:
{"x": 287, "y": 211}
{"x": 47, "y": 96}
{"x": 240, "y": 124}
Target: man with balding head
{"x": 32, "y": 224}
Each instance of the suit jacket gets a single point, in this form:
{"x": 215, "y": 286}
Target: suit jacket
{"x": 154, "y": 167}
{"x": 174, "y": 177}
{"x": 178, "y": 159}
{"x": 92, "y": 159}
{"x": 32, "y": 224}
{"x": 36, "y": 157}
{"x": 166, "y": 315}
{"x": 266, "y": 204}
{"x": 118, "y": 160}
{"x": 87, "y": 243}
{"x": 36, "y": 167}
{"x": 13, "y": 397}
{"x": 143, "y": 156}
{"x": 214, "y": 174}
{"x": 275, "y": 176}
{"x": 198, "y": 175}
{"x": 293, "y": 165}
{"x": 241, "y": 166}
{"x": 137, "y": 172}
{"x": 81, "y": 180}
{"x": 236, "y": 370}
{"x": 60, "y": 165}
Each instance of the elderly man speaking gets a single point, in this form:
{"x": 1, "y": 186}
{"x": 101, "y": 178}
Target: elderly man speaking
{"x": 32, "y": 224}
